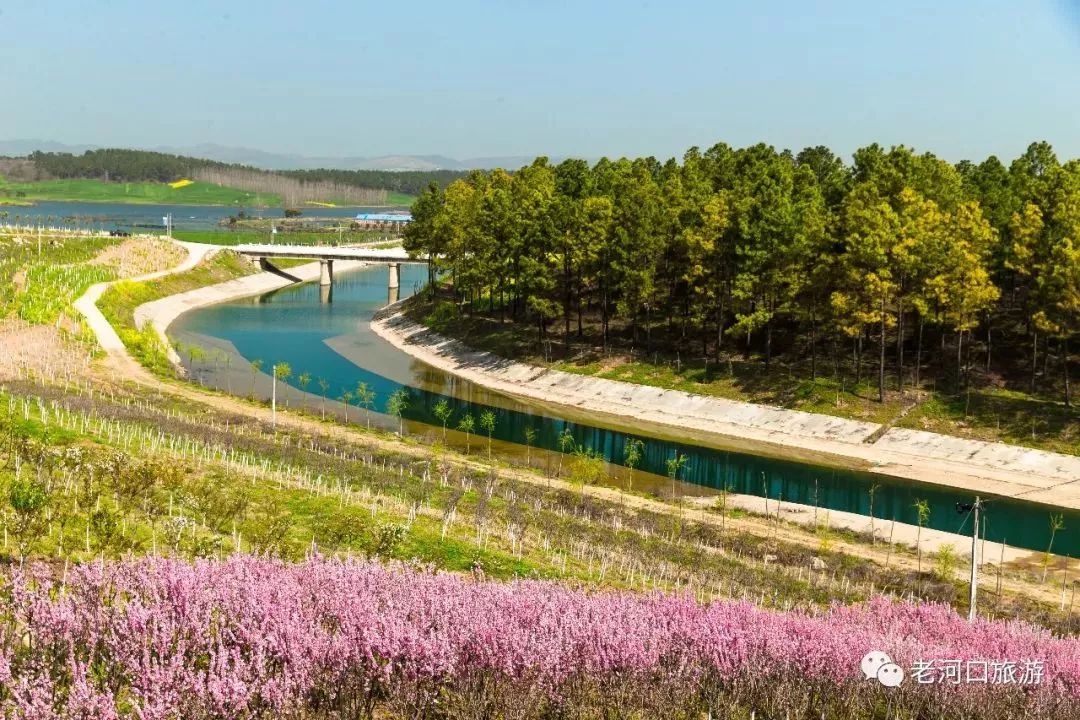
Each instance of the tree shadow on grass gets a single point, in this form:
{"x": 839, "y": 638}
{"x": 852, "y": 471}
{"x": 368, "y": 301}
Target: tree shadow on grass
{"x": 1012, "y": 418}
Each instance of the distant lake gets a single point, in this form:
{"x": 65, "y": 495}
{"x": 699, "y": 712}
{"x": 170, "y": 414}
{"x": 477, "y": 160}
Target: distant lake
{"x": 121, "y": 216}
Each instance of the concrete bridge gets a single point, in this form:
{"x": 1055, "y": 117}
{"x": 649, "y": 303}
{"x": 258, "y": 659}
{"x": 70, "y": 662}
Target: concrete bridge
{"x": 326, "y": 256}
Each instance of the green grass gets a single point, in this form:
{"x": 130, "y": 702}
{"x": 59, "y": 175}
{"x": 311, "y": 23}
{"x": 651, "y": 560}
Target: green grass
{"x": 396, "y": 198}
{"x": 51, "y": 289}
{"x": 52, "y": 280}
{"x": 119, "y": 301}
{"x": 733, "y": 379}
{"x": 991, "y": 414}
{"x": 999, "y": 415}
{"x": 281, "y": 490}
{"x": 198, "y": 193}
{"x": 284, "y": 512}
{"x": 751, "y": 382}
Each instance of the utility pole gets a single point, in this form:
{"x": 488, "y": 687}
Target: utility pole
{"x": 974, "y": 559}
{"x": 974, "y": 509}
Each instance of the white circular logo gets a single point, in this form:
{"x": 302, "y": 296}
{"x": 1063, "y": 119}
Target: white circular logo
{"x": 890, "y": 675}
{"x": 877, "y": 665}
{"x": 872, "y": 662}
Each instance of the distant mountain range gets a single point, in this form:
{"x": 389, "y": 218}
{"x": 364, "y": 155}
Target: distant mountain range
{"x": 286, "y": 161}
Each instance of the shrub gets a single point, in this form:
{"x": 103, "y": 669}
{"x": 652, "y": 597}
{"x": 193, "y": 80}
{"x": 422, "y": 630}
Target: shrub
{"x": 249, "y": 637}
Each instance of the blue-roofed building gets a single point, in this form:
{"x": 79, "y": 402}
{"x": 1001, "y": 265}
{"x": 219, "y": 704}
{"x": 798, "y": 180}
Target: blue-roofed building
{"x": 384, "y": 217}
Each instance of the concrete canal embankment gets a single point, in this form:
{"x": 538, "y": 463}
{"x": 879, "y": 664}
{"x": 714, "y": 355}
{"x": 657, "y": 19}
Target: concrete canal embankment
{"x": 957, "y": 463}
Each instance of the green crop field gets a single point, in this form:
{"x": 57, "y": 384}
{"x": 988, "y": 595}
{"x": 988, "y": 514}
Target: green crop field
{"x": 198, "y": 193}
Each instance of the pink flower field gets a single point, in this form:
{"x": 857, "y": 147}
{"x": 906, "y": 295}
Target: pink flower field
{"x": 250, "y": 637}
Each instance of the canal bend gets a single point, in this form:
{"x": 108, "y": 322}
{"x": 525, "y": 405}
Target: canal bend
{"x": 332, "y": 344}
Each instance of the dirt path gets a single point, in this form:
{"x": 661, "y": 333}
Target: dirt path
{"x": 59, "y": 350}
{"x": 106, "y": 336}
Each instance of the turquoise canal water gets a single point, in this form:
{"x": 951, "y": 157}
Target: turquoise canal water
{"x": 332, "y": 342}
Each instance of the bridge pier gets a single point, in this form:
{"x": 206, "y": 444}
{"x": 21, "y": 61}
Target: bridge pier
{"x": 393, "y": 285}
{"x": 393, "y": 258}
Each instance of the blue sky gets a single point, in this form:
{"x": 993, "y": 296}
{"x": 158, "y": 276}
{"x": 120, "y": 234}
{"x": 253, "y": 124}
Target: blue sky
{"x": 963, "y": 78}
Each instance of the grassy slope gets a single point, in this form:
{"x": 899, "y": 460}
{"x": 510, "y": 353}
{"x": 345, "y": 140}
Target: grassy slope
{"x": 266, "y": 513}
{"x": 140, "y": 193}
{"x": 300, "y": 500}
{"x": 199, "y": 193}
{"x": 297, "y": 497}
{"x": 295, "y": 514}
{"x": 993, "y": 414}
{"x": 50, "y": 281}
{"x": 118, "y": 303}
{"x": 396, "y": 198}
